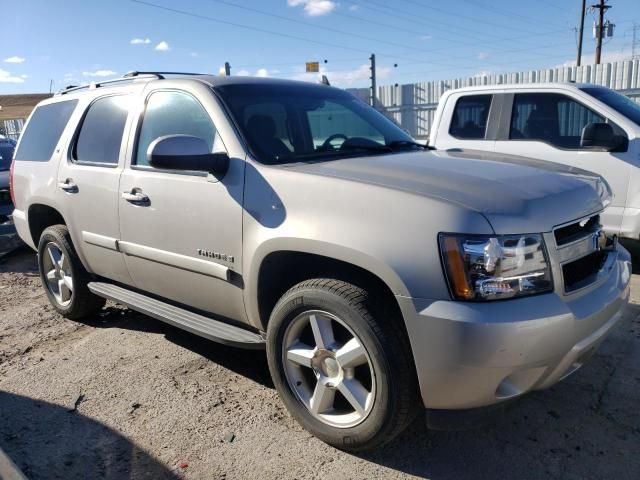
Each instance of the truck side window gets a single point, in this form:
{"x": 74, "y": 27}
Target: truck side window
{"x": 101, "y": 131}
{"x": 550, "y": 117}
{"x": 43, "y": 131}
{"x": 174, "y": 113}
{"x": 469, "y": 120}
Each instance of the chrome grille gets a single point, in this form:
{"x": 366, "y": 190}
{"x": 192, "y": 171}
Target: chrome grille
{"x": 581, "y": 252}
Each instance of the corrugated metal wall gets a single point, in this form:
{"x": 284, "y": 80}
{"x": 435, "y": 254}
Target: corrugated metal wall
{"x": 413, "y": 105}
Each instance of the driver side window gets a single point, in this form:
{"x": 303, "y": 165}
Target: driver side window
{"x": 333, "y": 118}
{"x": 174, "y": 113}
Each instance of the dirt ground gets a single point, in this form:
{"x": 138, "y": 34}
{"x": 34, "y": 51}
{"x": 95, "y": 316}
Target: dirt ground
{"x": 124, "y": 396}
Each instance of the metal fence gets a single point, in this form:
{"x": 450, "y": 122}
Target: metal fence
{"x": 413, "y": 105}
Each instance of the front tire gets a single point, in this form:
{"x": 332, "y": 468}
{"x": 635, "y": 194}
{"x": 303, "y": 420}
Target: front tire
{"x": 63, "y": 276}
{"x": 342, "y": 367}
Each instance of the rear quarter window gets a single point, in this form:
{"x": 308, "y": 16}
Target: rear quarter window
{"x": 43, "y": 131}
{"x": 469, "y": 120}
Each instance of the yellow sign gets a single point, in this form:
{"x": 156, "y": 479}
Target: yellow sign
{"x": 313, "y": 67}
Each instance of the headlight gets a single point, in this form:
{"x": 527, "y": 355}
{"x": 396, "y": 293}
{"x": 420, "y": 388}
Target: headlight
{"x": 495, "y": 267}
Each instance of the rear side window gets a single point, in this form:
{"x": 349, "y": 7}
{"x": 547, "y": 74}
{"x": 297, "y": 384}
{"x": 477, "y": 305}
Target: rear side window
{"x": 550, "y": 117}
{"x": 469, "y": 120}
{"x": 101, "y": 132}
{"x": 43, "y": 131}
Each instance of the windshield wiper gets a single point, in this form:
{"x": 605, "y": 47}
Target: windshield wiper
{"x": 330, "y": 153}
{"x": 402, "y": 143}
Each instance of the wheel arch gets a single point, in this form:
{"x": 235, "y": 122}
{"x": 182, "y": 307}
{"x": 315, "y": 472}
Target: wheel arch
{"x": 275, "y": 270}
{"x": 39, "y": 217}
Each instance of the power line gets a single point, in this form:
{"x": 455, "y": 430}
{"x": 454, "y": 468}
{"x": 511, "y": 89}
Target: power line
{"x": 458, "y": 15}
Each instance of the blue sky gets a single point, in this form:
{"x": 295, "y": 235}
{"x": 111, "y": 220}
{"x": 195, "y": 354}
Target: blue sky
{"x": 74, "y": 41}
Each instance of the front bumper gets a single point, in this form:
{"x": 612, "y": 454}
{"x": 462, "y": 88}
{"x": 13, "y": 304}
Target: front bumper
{"x": 471, "y": 355}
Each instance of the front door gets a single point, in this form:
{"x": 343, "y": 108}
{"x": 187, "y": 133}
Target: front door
{"x": 548, "y": 126}
{"x": 181, "y": 231}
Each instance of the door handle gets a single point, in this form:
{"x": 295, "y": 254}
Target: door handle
{"x": 68, "y": 186}
{"x": 135, "y": 196}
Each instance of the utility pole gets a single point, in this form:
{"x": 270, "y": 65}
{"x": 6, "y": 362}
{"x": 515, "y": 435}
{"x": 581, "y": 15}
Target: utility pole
{"x": 227, "y": 69}
{"x": 579, "y": 59}
{"x": 601, "y": 7}
{"x": 372, "y": 96}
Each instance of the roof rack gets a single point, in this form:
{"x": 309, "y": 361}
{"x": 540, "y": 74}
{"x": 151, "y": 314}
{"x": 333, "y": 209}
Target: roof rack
{"x": 127, "y": 77}
{"x": 159, "y": 75}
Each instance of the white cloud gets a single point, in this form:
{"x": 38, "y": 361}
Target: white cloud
{"x": 354, "y": 7}
{"x": 6, "y": 77}
{"x": 24, "y": 76}
{"x": 425, "y": 37}
{"x": 483, "y": 73}
{"x": 15, "y": 59}
{"x": 243, "y": 73}
{"x": 314, "y": 8}
{"x": 262, "y": 72}
{"x": 162, "y": 46}
{"x": 140, "y": 41}
{"x": 345, "y": 78}
{"x": 194, "y": 54}
{"x": 483, "y": 56}
{"x": 99, "y": 73}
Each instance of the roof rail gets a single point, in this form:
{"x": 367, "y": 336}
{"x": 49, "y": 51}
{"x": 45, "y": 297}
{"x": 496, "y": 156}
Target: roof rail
{"x": 159, "y": 75}
{"x": 127, "y": 77}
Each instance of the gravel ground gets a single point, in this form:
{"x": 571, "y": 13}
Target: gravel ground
{"x": 124, "y": 396}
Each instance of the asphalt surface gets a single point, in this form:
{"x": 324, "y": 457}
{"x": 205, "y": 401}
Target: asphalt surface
{"x": 124, "y": 396}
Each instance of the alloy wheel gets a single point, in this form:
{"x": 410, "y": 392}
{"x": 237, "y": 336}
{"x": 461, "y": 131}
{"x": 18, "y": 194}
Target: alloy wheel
{"x": 329, "y": 369}
{"x": 57, "y": 272}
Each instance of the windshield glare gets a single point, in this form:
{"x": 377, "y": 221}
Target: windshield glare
{"x": 617, "y": 101}
{"x": 285, "y": 123}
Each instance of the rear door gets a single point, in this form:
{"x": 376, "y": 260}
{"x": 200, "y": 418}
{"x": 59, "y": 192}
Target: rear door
{"x": 548, "y": 126}
{"x": 87, "y": 183}
{"x": 467, "y": 122}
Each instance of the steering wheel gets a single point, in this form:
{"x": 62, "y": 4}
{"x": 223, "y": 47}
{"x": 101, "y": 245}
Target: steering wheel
{"x": 326, "y": 145}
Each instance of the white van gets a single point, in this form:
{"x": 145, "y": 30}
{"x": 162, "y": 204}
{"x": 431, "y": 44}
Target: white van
{"x": 587, "y": 126}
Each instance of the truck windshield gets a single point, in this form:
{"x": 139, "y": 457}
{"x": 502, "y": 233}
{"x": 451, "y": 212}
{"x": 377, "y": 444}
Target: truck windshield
{"x": 617, "y": 101}
{"x": 285, "y": 123}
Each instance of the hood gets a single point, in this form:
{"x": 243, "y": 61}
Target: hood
{"x": 515, "y": 194}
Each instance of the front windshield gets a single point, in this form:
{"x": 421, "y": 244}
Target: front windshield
{"x": 293, "y": 123}
{"x": 617, "y": 101}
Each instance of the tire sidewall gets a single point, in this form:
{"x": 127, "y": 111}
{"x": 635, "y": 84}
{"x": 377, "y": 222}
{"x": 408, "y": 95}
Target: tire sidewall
{"x": 283, "y": 314}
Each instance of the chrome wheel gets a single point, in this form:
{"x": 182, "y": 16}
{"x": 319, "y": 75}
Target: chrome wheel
{"x": 57, "y": 272}
{"x": 329, "y": 369}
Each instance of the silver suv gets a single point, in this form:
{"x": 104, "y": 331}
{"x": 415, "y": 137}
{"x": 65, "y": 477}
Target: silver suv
{"x": 380, "y": 277}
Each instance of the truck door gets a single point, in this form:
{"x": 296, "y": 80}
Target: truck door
{"x": 466, "y": 122}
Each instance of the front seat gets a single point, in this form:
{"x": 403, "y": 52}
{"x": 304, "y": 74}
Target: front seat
{"x": 262, "y": 130}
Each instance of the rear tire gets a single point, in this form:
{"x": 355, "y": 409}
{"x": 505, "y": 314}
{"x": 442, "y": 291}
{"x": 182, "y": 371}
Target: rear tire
{"x": 342, "y": 366}
{"x": 63, "y": 276}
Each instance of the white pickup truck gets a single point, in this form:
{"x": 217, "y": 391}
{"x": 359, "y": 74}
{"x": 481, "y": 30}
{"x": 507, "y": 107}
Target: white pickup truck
{"x": 586, "y": 126}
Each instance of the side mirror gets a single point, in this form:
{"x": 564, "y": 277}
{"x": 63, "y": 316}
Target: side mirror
{"x": 600, "y": 135}
{"x": 186, "y": 152}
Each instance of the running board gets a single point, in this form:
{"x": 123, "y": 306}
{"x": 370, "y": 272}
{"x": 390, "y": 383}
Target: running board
{"x": 206, "y": 327}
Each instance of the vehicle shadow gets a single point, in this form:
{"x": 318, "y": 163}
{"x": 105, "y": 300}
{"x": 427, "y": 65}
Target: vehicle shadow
{"x": 248, "y": 363}
{"x": 48, "y": 441}
{"x": 20, "y": 260}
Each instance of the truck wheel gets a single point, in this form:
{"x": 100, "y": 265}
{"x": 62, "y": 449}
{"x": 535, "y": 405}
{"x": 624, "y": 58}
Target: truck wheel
{"x": 343, "y": 370}
{"x": 63, "y": 275}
